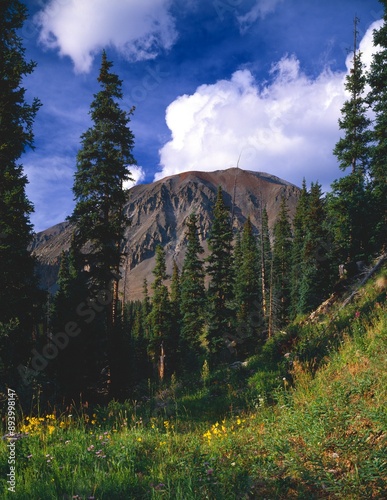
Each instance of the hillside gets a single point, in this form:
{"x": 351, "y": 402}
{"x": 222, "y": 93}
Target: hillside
{"x": 158, "y": 212}
{"x": 309, "y": 423}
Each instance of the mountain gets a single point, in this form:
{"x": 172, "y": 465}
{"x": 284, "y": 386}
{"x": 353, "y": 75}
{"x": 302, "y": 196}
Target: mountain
{"x": 158, "y": 212}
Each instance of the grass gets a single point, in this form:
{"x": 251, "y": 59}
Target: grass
{"x": 325, "y": 435}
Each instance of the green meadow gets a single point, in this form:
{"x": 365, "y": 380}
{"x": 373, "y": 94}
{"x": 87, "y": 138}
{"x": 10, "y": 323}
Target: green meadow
{"x": 305, "y": 419}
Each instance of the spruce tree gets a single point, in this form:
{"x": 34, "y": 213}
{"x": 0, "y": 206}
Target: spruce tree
{"x": 73, "y": 366}
{"x": 299, "y": 234}
{"x": 316, "y": 278}
{"x": 248, "y": 289}
{"x": 349, "y": 203}
{"x": 160, "y": 348}
{"x": 102, "y": 169}
{"x": 378, "y": 100}
{"x": 192, "y": 297}
{"x": 176, "y": 316}
{"x": 281, "y": 271}
{"x": 220, "y": 271}
{"x": 141, "y": 368}
{"x": 18, "y": 291}
{"x": 146, "y": 307}
{"x": 266, "y": 259}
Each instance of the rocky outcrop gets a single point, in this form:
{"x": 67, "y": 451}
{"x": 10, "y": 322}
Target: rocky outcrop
{"x": 158, "y": 212}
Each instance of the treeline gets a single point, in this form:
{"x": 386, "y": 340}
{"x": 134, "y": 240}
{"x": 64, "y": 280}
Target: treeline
{"x": 224, "y": 307}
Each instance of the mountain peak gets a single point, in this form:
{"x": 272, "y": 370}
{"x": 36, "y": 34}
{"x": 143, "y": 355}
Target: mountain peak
{"x": 158, "y": 212}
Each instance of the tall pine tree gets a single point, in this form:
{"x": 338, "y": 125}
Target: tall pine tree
{"x": 348, "y": 202}
{"x": 73, "y": 367}
{"x": 220, "y": 270}
{"x": 176, "y": 316}
{"x": 160, "y": 348}
{"x": 102, "y": 169}
{"x": 192, "y": 297}
{"x": 18, "y": 290}
{"x": 378, "y": 99}
{"x": 248, "y": 289}
{"x": 281, "y": 270}
{"x": 316, "y": 278}
{"x": 299, "y": 230}
{"x": 266, "y": 259}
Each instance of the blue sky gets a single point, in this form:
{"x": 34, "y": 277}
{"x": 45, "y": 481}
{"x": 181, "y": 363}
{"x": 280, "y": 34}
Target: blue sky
{"x": 213, "y": 81}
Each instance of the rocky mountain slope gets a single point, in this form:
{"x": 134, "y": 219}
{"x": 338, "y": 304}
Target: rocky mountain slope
{"x": 158, "y": 212}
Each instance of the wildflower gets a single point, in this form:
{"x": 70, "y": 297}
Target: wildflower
{"x": 208, "y": 435}
{"x": 158, "y": 487}
{"x": 357, "y": 314}
{"x": 139, "y": 440}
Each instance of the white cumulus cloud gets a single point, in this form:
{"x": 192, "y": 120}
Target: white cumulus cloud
{"x": 138, "y": 29}
{"x": 287, "y": 127}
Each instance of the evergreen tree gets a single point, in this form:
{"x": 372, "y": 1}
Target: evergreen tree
{"x": 281, "y": 271}
{"x": 141, "y": 368}
{"x": 248, "y": 288}
{"x": 266, "y": 259}
{"x": 316, "y": 278}
{"x": 176, "y": 316}
{"x": 192, "y": 297}
{"x": 160, "y": 347}
{"x": 18, "y": 291}
{"x": 299, "y": 234}
{"x": 138, "y": 365}
{"x": 349, "y": 205}
{"x": 70, "y": 290}
{"x": 102, "y": 169}
{"x": 220, "y": 270}
{"x": 378, "y": 100}
{"x": 146, "y": 308}
{"x": 73, "y": 366}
